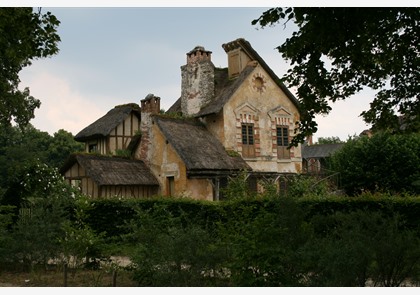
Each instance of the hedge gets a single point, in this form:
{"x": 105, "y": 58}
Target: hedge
{"x": 110, "y": 216}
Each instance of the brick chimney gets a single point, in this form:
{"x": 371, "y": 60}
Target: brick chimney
{"x": 197, "y": 84}
{"x": 149, "y": 107}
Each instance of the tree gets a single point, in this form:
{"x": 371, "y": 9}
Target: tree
{"x": 337, "y": 52}
{"x": 62, "y": 144}
{"x": 25, "y": 35}
{"x": 384, "y": 162}
{"x": 327, "y": 140}
{"x": 27, "y": 145}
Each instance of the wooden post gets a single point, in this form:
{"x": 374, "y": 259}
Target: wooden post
{"x": 65, "y": 274}
{"x": 114, "y": 278}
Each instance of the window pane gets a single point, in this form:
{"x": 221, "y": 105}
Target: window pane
{"x": 247, "y": 134}
{"x": 282, "y": 136}
{"x": 250, "y": 135}
{"x": 244, "y": 136}
{"x": 285, "y": 137}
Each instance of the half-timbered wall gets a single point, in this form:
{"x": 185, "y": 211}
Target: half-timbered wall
{"x": 76, "y": 176}
{"x": 120, "y": 137}
{"x": 127, "y": 191}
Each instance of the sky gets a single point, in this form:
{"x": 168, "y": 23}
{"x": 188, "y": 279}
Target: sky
{"x": 115, "y": 55}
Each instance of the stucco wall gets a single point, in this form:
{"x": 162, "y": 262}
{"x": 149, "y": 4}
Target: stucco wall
{"x": 165, "y": 162}
{"x": 264, "y": 106}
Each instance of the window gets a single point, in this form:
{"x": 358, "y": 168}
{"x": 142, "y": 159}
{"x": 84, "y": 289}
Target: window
{"x": 170, "y": 182}
{"x": 248, "y": 149}
{"x": 77, "y": 183}
{"x": 283, "y": 142}
{"x": 248, "y": 134}
{"x": 93, "y": 148}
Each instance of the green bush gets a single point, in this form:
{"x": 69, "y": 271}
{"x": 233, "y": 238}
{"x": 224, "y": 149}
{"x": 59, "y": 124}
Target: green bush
{"x": 304, "y": 186}
{"x": 6, "y": 218}
{"x": 265, "y": 243}
{"x": 352, "y": 248}
{"x": 48, "y": 221}
{"x": 382, "y": 163}
{"x": 174, "y": 251}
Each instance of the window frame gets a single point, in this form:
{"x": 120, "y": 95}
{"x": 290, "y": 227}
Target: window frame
{"x": 282, "y": 141}
{"x": 248, "y": 140}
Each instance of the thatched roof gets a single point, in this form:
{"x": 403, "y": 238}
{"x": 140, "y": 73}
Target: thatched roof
{"x": 175, "y": 108}
{"x": 201, "y": 152}
{"x": 225, "y": 87}
{"x": 225, "y": 92}
{"x": 111, "y": 170}
{"x": 104, "y": 125}
{"x": 320, "y": 150}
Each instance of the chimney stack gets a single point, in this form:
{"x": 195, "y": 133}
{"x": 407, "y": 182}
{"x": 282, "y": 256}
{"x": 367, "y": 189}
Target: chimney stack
{"x": 149, "y": 106}
{"x": 197, "y": 85}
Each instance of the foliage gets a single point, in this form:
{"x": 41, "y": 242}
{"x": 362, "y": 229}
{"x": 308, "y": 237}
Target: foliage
{"x": 352, "y": 248}
{"x": 339, "y": 51}
{"x": 80, "y": 245}
{"x": 384, "y": 162}
{"x": 23, "y": 147}
{"x": 265, "y": 244}
{"x": 61, "y": 146}
{"x": 44, "y": 201}
{"x": 25, "y": 35}
{"x": 50, "y": 222}
{"x": 6, "y": 218}
{"x": 262, "y": 241}
{"x": 302, "y": 186}
{"x": 276, "y": 242}
{"x": 172, "y": 251}
{"x": 327, "y": 140}
{"x": 237, "y": 187}
{"x": 123, "y": 153}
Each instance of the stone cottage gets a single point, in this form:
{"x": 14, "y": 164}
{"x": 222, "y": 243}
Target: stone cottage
{"x": 227, "y": 121}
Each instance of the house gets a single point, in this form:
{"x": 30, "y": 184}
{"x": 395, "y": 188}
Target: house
{"x": 112, "y": 132}
{"x": 103, "y": 177}
{"x": 225, "y": 122}
{"x": 315, "y": 157}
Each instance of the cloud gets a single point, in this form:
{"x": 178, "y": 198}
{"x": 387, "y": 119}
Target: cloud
{"x": 61, "y": 106}
{"x": 344, "y": 119}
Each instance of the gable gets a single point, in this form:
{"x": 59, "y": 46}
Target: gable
{"x": 242, "y": 60}
{"x": 107, "y": 123}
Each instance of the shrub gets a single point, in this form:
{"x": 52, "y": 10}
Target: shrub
{"x": 173, "y": 251}
{"x": 304, "y": 185}
{"x": 352, "y": 248}
{"x": 384, "y": 162}
{"x": 264, "y": 242}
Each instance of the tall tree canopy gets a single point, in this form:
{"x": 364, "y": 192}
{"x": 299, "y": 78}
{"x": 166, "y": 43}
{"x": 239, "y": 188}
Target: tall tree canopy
{"x": 337, "y": 52}
{"x": 25, "y": 35}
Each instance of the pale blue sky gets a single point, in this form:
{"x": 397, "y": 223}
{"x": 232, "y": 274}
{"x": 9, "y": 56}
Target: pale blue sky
{"x": 111, "y": 56}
